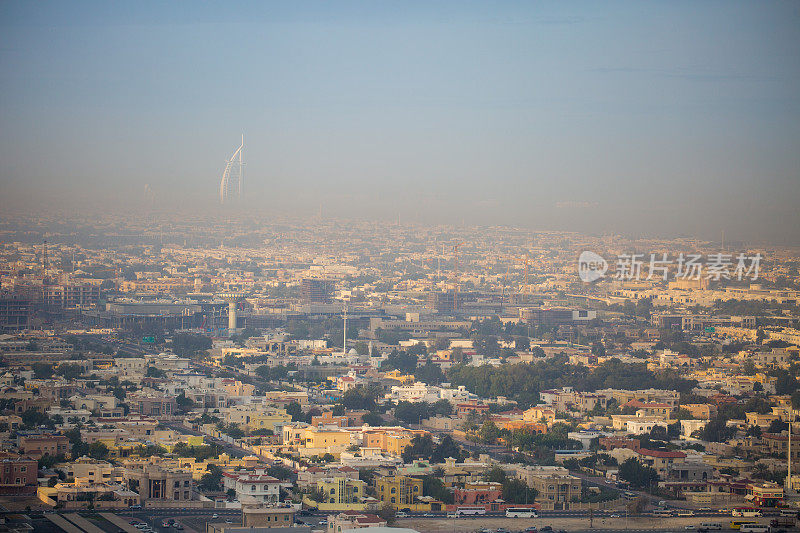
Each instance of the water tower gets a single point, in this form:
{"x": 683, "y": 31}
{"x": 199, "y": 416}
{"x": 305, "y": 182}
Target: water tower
{"x": 232, "y": 298}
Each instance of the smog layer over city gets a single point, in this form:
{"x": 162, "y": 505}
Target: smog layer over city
{"x": 418, "y": 266}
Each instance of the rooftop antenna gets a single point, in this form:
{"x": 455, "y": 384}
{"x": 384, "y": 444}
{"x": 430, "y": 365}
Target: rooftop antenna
{"x": 344, "y": 334}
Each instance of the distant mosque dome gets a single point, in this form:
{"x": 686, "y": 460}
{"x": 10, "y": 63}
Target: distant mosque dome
{"x": 352, "y": 352}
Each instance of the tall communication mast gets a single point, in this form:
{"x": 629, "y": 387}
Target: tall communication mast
{"x": 231, "y": 182}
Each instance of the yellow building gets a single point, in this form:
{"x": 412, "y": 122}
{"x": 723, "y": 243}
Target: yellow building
{"x": 398, "y": 491}
{"x": 399, "y": 376}
{"x": 224, "y": 461}
{"x": 342, "y": 490}
{"x": 312, "y": 437}
{"x": 538, "y": 413}
{"x": 390, "y": 440}
{"x": 253, "y": 419}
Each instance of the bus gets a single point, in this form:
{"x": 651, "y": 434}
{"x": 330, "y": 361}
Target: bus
{"x": 754, "y": 528}
{"x": 521, "y": 512}
{"x": 470, "y": 511}
{"x": 662, "y": 512}
{"x": 746, "y": 511}
{"x": 736, "y": 524}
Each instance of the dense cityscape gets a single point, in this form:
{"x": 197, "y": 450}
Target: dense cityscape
{"x": 334, "y": 374}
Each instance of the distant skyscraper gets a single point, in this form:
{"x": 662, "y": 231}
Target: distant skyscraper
{"x": 231, "y": 184}
{"x": 316, "y": 291}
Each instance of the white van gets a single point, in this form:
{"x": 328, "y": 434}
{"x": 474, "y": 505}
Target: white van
{"x": 754, "y": 528}
{"x": 711, "y": 526}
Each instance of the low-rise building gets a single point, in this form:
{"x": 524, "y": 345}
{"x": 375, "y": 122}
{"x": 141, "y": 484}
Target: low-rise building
{"x": 557, "y": 488}
{"x": 18, "y": 475}
{"x": 39, "y": 445}
{"x": 398, "y": 491}
{"x": 160, "y": 483}
{"x": 348, "y": 520}
{"x": 341, "y": 490}
{"x": 256, "y": 485}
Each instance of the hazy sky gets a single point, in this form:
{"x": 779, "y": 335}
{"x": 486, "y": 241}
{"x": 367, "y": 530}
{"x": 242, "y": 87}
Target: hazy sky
{"x": 634, "y": 117}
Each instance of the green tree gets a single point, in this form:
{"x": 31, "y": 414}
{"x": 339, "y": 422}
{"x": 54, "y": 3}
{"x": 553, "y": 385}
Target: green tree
{"x": 638, "y": 475}
{"x": 360, "y": 398}
{"x": 433, "y": 486}
{"x": 184, "y": 403}
{"x": 211, "y": 481}
{"x": 153, "y": 372}
{"x": 599, "y": 349}
{"x": 362, "y": 348}
{"x": 517, "y": 491}
{"x": 98, "y": 450}
{"x": 488, "y": 433}
{"x": 388, "y": 513}
{"x": 441, "y": 343}
{"x": 411, "y": 412}
{"x": 42, "y": 370}
{"x": 447, "y": 447}
{"x": 69, "y": 370}
{"x": 373, "y": 419}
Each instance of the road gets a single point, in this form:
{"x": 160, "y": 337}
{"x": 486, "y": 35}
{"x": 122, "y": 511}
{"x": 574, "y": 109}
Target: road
{"x": 230, "y": 449}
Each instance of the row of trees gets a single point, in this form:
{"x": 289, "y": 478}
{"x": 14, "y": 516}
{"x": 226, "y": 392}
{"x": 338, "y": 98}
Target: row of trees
{"x": 522, "y": 382}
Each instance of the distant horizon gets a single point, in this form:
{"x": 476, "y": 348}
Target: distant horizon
{"x": 155, "y": 217}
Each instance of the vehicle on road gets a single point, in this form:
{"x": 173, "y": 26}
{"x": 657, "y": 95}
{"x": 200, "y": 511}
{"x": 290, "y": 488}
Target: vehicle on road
{"x": 736, "y": 524}
{"x": 531, "y": 529}
{"x": 521, "y": 512}
{"x": 710, "y": 526}
{"x": 215, "y": 515}
{"x": 614, "y": 515}
{"x": 704, "y": 509}
{"x": 746, "y": 511}
{"x": 790, "y": 512}
{"x": 177, "y": 526}
{"x": 401, "y": 514}
{"x": 685, "y": 512}
{"x": 546, "y": 528}
{"x": 690, "y": 527}
{"x": 782, "y": 521}
{"x": 470, "y": 511}
{"x": 662, "y": 512}
{"x": 754, "y": 528}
